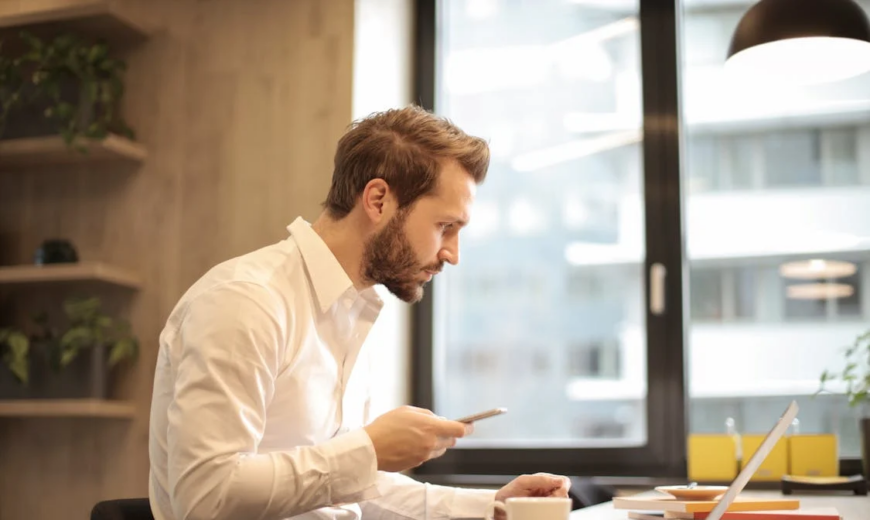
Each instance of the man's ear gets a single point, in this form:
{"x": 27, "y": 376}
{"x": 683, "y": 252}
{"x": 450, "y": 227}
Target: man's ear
{"x": 377, "y": 200}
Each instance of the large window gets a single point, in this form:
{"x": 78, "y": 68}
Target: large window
{"x": 777, "y": 219}
{"x": 608, "y": 189}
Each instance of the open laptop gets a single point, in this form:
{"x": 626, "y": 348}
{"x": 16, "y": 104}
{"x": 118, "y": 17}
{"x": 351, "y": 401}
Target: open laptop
{"x": 755, "y": 461}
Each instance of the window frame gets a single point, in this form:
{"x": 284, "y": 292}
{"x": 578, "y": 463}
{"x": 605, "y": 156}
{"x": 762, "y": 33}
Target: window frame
{"x": 664, "y": 452}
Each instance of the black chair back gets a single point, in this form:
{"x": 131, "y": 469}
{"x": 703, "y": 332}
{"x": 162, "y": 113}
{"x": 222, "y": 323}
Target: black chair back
{"x": 123, "y": 509}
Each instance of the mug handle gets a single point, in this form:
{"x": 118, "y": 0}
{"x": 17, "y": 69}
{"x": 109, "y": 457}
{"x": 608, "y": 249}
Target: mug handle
{"x": 490, "y": 509}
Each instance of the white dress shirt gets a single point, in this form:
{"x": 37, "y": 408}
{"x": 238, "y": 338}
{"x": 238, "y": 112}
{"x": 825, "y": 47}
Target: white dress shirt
{"x": 260, "y": 394}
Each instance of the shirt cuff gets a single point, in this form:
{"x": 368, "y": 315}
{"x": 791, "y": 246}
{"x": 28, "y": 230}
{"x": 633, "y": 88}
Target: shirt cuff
{"x": 470, "y": 503}
{"x": 353, "y": 468}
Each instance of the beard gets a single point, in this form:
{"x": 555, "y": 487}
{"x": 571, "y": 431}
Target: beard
{"x": 389, "y": 260}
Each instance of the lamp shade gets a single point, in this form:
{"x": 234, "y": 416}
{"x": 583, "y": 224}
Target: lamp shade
{"x": 801, "y": 41}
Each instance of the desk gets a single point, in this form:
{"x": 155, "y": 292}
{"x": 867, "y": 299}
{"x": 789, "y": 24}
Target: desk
{"x": 851, "y": 507}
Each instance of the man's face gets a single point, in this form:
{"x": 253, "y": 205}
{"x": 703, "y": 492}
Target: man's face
{"x": 416, "y": 242}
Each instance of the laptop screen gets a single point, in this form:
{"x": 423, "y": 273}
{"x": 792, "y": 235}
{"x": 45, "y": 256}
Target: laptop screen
{"x": 755, "y": 461}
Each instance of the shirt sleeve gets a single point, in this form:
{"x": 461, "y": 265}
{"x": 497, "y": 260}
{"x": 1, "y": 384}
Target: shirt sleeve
{"x": 405, "y": 498}
{"x": 232, "y": 343}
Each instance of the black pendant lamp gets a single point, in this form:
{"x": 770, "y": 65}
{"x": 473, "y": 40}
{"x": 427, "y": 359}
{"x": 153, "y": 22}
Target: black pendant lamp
{"x": 801, "y": 42}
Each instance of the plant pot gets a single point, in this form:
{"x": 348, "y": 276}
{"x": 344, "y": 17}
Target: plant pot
{"x": 11, "y": 387}
{"x": 865, "y": 445}
{"x": 84, "y": 378}
{"x": 29, "y": 120}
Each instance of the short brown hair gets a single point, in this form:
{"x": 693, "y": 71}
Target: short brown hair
{"x": 406, "y": 147}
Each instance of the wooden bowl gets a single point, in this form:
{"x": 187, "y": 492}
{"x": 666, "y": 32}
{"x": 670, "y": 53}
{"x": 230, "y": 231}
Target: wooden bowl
{"x": 698, "y": 493}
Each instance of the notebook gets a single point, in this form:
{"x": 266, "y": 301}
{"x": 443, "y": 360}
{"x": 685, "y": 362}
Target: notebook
{"x": 825, "y": 513}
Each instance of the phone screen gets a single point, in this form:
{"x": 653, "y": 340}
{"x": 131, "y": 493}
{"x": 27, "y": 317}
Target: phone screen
{"x": 482, "y": 415}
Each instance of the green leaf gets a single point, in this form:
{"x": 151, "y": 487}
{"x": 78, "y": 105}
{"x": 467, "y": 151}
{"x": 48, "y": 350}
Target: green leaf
{"x": 81, "y": 309}
{"x": 857, "y": 397}
{"x": 123, "y": 349}
{"x": 18, "y": 343}
{"x": 17, "y": 359}
{"x": 67, "y": 356}
{"x": 78, "y": 337}
{"x": 97, "y": 53}
{"x": 20, "y": 368}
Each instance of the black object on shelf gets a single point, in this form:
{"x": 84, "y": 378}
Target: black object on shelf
{"x": 857, "y": 484}
{"x": 56, "y": 251}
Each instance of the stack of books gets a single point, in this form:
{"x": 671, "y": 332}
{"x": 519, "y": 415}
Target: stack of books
{"x": 658, "y": 508}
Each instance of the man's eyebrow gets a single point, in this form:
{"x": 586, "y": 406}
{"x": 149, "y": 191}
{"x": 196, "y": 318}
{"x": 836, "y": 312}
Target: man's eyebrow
{"x": 462, "y": 221}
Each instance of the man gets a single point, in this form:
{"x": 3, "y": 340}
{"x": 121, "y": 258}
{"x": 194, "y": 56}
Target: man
{"x": 260, "y": 400}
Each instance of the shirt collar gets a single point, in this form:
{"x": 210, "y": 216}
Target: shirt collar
{"x": 328, "y": 277}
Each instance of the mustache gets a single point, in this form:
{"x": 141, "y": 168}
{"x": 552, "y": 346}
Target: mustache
{"x": 434, "y": 268}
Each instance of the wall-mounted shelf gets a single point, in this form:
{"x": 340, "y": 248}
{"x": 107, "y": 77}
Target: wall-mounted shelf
{"x": 78, "y": 272}
{"x": 96, "y": 19}
{"x": 66, "y": 408}
{"x": 41, "y": 152}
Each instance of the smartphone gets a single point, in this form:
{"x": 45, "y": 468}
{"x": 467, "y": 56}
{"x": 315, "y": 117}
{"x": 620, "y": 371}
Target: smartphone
{"x": 482, "y": 415}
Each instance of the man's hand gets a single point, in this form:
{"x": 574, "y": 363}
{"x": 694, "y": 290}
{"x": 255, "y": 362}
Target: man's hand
{"x": 408, "y": 436}
{"x": 537, "y": 485}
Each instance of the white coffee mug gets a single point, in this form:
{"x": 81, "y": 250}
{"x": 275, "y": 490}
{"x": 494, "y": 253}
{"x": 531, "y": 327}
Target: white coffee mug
{"x": 532, "y": 508}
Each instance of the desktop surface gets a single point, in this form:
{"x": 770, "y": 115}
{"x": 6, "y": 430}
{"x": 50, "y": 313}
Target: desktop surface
{"x": 850, "y": 507}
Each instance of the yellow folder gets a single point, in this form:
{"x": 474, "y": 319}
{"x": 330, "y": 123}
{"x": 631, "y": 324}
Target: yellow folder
{"x": 711, "y": 457}
{"x": 775, "y": 465}
{"x": 813, "y": 455}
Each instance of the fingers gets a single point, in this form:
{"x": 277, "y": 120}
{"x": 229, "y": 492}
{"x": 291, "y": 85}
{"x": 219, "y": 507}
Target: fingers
{"x": 560, "y": 485}
{"x": 469, "y": 427}
{"x": 562, "y": 489}
{"x": 441, "y": 446}
{"x": 546, "y": 484}
{"x": 437, "y": 453}
{"x": 555, "y": 480}
{"x": 448, "y": 428}
{"x": 558, "y": 481}
{"x": 444, "y": 442}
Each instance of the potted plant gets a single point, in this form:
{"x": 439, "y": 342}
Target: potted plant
{"x": 64, "y": 85}
{"x": 75, "y": 358}
{"x": 855, "y": 375}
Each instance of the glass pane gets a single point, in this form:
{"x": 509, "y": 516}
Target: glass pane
{"x": 549, "y": 292}
{"x": 776, "y": 180}
{"x": 792, "y": 158}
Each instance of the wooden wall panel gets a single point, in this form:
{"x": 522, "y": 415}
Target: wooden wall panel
{"x": 240, "y": 104}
